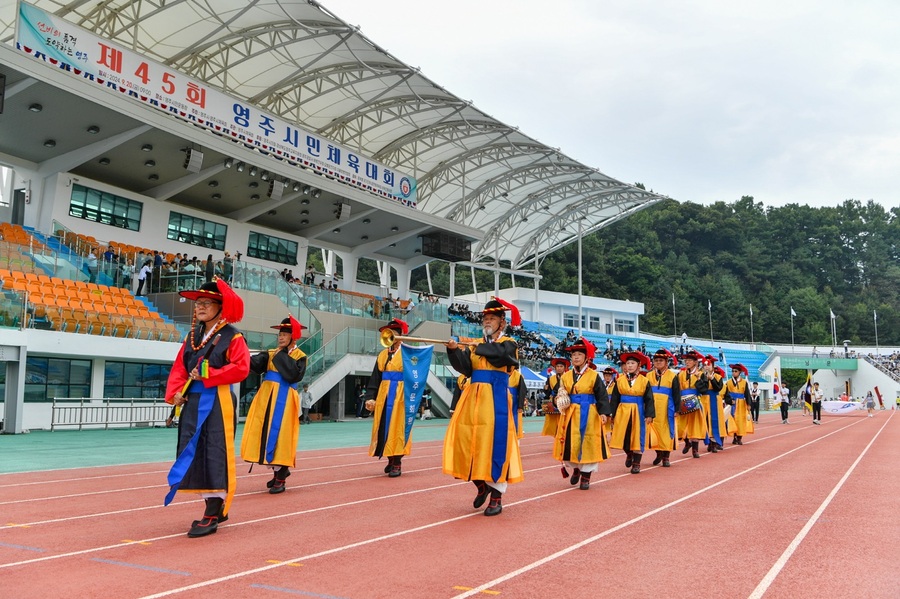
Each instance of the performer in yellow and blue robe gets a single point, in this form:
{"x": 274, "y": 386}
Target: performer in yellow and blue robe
{"x": 384, "y": 397}
{"x": 519, "y": 396}
{"x": 580, "y": 441}
{"x": 551, "y": 414}
{"x": 666, "y": 399}
{"x": 481, "y": 444}
{"x": 691, "y": 420}
{"x": 739, "y": 422}
{"x": 633, "y": 408}
{"x": 709, "y": 389}
{"x": 213, "y": 357}
{"x": 272, "y": 428}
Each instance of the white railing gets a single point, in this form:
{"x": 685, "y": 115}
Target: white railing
{"x": 87, "y": 413}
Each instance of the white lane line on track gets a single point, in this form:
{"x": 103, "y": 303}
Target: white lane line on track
{"x": 779, "y": 564}
{"x": 563, "y": 552}
{"x": 291, "y": 489}
{"x": 491, "y": 584}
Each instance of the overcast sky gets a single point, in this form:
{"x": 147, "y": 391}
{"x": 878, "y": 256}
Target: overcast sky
{"x": 702, "y": 100}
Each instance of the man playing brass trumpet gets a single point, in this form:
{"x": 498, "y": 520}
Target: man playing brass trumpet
{"x": 481, "y": 444}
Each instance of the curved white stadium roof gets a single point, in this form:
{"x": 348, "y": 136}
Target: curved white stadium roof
{"x": 297, "y": 60}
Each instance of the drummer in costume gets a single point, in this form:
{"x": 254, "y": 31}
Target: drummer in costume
{"x": 272, "y": 427}
{"x": 667, "y": 400}
{"x": 520, "y": 397}
{"x": 609, "y": 379}
{"x": 213, "y": 357}
{"x": 709, "y": 388}
{"x": 384, "y": 397}
{"x": 691, "y": 420}
{"x": 584, "y": 408}
{"x": 551, "y": 414}
{"x": 480, "y": 444}
{"x": 740, "y": 423}
{"x": 633, "y": 408}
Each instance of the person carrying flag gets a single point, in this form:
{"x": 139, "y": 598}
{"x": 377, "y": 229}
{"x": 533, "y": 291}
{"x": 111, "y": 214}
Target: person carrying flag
{"x": 272, "y": 428}
{"x": 384, "y": 397}
{"x": 584, "y": 407}
{"x": 667, "y": 400}
{"x": 213, "y": 357}
{"x": 634, "y": 409}
{"x": 480, "y": 444}
{"x": 738, "y": 396}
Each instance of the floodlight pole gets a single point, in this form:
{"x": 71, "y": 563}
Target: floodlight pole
{"x": 580, "y": 317}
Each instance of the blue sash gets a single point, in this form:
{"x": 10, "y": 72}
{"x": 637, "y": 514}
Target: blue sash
{"x": 584, "y": 401}
{"x": 639, "y": 402}
{"x": 278, "y": 413}
{"x": 499, "y": 382}
{"x": 670, "y": 407}
{"x": 734, "y": 399}
{"x": 186, "y": 457}
{"x": 713, "y": 417}
{"x": 394, "y": 376}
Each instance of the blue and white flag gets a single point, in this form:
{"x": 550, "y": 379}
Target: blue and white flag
{"x": 416, "y": 364}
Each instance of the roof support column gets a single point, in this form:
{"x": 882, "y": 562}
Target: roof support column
{"x": 328, "y": 261}
{"x": 537, "y": 293}
{"x": 384, "y": 277}
{"x": 403, "y": 273}
{"x": 452, "y": 282}
{"x": 349, "y": 268}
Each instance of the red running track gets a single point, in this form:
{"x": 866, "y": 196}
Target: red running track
{"x": 797, "y": 511}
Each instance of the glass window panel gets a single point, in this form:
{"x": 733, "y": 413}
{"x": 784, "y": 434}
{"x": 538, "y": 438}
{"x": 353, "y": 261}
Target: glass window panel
{"x": 133, "y": 374}
{"x": 35, "y": 392}
{"x": 57, "y": 391}
{"x": 36, "y": 370}
{"x": 79, "y": 391}
{"x": 80, "y": 372}
{"x": 113, "y": 374}
{"x": 132, "y": 392}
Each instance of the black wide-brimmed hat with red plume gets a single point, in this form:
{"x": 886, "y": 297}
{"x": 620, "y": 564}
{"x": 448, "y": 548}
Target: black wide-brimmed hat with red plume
{"x": 666, "y": 355}
{"x": 583, "y": 345}
{"x": 290, "y": 325}
{"x": 499, "y": 306}
{"x": 218, "y": 290}
{"x": 638, "y": 357}
{"x": 396, "y": 325}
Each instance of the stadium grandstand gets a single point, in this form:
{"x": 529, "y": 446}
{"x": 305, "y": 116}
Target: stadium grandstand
{"x": 233, "y": 139}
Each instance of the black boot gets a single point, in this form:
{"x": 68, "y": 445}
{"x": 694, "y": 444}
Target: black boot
{"x": 740, "y": 439}
{"x": 734, "y": 440}
{"x": 276, "y": 475}
{"x": 210, "y": 521}
{"x": 395, "y": 469}
{"x": 629, "y": 458}
{"x": 695, "y": 449}
{"x": 585, "y": 481}
{"x": 659, "y": 458}
{"x": 665, "y": 461}
{"x": 222, "y": 517}
{"x": 494, "y": 506}
{"x": 687, "y": 446}
{"x": 714, "y": 447}
{"x": 390, "y": 465}
{"x": 481, "y": 497}
{"x": 576, "y": 474}
{"x": 278, "y": 485}
{"x": 636, "y": 462}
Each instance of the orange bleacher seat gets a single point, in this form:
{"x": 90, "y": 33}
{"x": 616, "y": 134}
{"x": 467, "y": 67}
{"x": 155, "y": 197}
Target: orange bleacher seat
{"x": 44, "y": 279}
{"x": 31, "y": 276}
{"x": 122, "y": 310}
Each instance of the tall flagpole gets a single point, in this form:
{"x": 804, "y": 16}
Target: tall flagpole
{"x": 580, "y": 313}
{"x": 751, "y": 324}
{"x": 875, "y": 316}
{"x": 709, "y": 307}
{"x": 674, "y": 322}
{"x": 793, "y": 314}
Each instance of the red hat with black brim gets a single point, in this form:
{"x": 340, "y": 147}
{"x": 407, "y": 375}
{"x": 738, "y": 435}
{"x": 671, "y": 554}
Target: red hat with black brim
{"x": 638, "y": 357}
{"x": 610, "y": 370}
{"x": 666, "y": 355}
{"x": 218, "y": 290}
{"x": 742, "y": 368}
{"x": 584, "y": 346}
{"x": 290, "y": 325}
{"x": 692, "y": 355}
{"x": 396, "y": 325}
{"x": 562, "y": 361}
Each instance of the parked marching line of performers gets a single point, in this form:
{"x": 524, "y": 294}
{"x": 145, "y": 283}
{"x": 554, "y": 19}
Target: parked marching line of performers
{"x": 648, "y": 406}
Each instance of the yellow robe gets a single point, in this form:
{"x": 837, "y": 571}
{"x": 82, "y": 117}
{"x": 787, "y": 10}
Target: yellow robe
{"x": 693, "y": 425}
{"x": 481, "y": 443}
{"x": 738, "y": 422}
{"x": 715, "y": 414}
{"x": 630, "y": 413}
{"x": 516, "y": 382}
{"x": 394, "y": 443}
{"x": 551, "y": 419}
{"x": 261, "y": 415}
{"x": 569, "y": 444}
{"x": 663, "y": 437}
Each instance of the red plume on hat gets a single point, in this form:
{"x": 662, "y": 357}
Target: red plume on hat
{"x": 232, "y": 304}
{"x": 396, "y": 325}
{"x": 515, "y": 319}
{"x": 583, "y": 345}
{"x": 740, "y": 367}
{"x": 290, "y": 325}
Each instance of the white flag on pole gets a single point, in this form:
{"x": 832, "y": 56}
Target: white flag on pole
{"x": 751, "y": 309}
{"x": 792, "y": 311}
{"x": 875, "y": 315}
{"x": 673, "y": 300}
{"x": 832, "y": 314}
{"x": 709, "y": 307}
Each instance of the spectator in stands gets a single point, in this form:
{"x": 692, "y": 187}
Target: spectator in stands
{"x": 91, "y": 263}
{"x": 228, "y": 267}
{"x": 210, "y": 269}
{"x": 109, "y": 255}
{"x": 146, "y": 271}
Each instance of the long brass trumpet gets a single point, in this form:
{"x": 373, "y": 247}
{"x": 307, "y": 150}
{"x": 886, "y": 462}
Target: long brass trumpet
{"x": 388, "y": 338}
